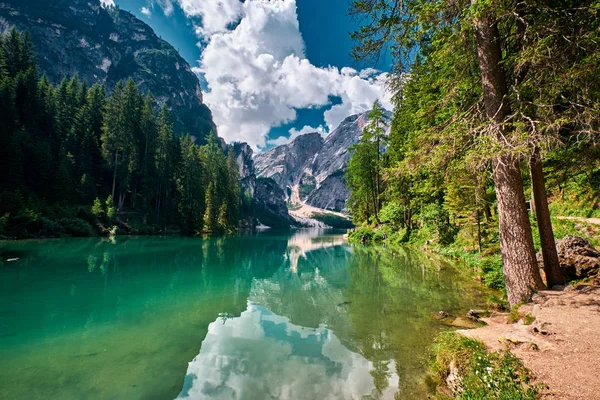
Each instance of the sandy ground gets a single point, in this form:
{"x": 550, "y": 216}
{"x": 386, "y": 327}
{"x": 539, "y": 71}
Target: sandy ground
{"x": 561, "y": 347}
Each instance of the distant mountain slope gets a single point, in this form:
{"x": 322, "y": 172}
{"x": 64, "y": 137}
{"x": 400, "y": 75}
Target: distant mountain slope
{"x": 313, "y": 167}
{"x": 285, "y": 164}
{"x": 106, "y": 45}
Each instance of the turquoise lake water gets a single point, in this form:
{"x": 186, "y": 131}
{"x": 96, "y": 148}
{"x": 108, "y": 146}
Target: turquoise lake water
{"x": 266, "y": 316}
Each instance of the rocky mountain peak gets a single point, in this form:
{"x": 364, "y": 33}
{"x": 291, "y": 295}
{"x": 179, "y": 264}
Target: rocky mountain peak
{"x": 284, "y": 164}
{"x": 313, "y": 167}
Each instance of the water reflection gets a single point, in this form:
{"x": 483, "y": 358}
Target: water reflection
{"x": 305, "y": 241}
{"x": 261, "y": 355}
{"x": 95, "y": 319}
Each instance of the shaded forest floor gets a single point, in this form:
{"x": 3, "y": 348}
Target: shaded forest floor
{"x": 560, "y": 345}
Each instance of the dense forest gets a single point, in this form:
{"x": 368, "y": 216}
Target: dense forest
{"x": 79, "y": 161}
{"x": 495, "y": 103}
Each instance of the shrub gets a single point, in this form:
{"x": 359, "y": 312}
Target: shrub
{"x": 491, "y": 269}
{"x": 392, "y": 213}
{"x": 482, "y": 375}
{"x": 358, "y": 234}
{"x": 76, "y": 227}
{"x": 436, "y": 217}
{"x": 28, "y": 224}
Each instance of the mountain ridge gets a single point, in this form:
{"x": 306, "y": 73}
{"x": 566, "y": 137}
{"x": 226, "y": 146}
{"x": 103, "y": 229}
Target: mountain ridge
{"x": 106, "y": 44}
{"x": 310, "y": 169}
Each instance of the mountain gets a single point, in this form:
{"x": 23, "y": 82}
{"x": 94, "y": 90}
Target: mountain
{"x": 105, "y": 45}
{"x": 285, "y": 164}
{"x": 268, "y": 199}
{"x": 310, "y": 169}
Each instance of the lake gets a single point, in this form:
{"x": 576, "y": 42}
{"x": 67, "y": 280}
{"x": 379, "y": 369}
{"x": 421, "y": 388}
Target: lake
{"x": 302, "y": 315}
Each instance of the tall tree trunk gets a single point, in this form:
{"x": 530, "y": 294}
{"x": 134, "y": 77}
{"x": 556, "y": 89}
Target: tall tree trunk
{"x": 552, "y": 269}
{"x": 408, "y": 226}
{"x": 115, "y": 174}
{"x": 375, "y": 200}
{"x": 378, "y": 170}
{"x": 121, "y": 200}
{"x": 478, "y": 216}
{"x": 521, "y": 274}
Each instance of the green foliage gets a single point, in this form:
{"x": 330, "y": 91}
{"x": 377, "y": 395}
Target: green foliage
{"x": 443, "y": 142}
{"x": 435, "y": 216}
{"x": 71, "y": 145}
{"x": 76, "y": 227}
{"x": 364, "y": 175}
{"x": 483, "y": 375}
{"x": 97, "y": 209}
{"x": 392, "y": 213}
{"x": 307, "y": 185}
{"x": 110, "y": 207}
{"x": 491, "y": 269}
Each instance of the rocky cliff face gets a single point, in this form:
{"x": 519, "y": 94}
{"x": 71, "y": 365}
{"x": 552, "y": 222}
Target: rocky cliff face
{"x": 285, "y": 164}
{"x": 268, "y": 199}
{"x": 314, "y": 165}
{"x": 243, "y": 157}
{"x": 106, "y": 45}
{"x": 270, "y": 206}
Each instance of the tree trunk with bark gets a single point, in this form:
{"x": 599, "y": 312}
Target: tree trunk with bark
{"x": 552, "y": 269}
{"x": 521, "y": 274}
{"x": 115, "y": 174}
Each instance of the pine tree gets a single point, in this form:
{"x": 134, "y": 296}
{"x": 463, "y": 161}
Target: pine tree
{"x": 147, "y": 150}
{"x": 118, "y": 137}
{"x": 365, "y": 168}
{"x": 93, "y": 146}
{"x": 11, "y": 53}
{"x": 449, "y": 31}
{"x": 212, "y": 208}
{"x": 233, "y": 191}
{"x": 190, "y": 191}
{"x": 164, "y": 158}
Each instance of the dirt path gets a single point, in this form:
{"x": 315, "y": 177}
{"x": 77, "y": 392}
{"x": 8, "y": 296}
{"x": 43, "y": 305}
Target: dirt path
{"x": 564, "y": 352}
{"x": 595, "y": 221}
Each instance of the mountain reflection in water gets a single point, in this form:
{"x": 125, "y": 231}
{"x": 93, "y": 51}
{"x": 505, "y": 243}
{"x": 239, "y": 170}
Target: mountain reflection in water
{"x": 264, "y": 316}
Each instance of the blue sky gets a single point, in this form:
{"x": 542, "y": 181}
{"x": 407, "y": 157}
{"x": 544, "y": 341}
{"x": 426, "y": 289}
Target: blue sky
{"x": 271, "y": 70}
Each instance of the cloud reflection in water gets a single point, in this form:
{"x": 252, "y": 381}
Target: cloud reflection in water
{"x": 261, "y": 355}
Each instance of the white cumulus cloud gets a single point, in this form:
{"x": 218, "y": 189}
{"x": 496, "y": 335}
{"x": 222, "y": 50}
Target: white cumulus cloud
{"x": 146, "y": 11}
{"x": 258, "y": 75}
